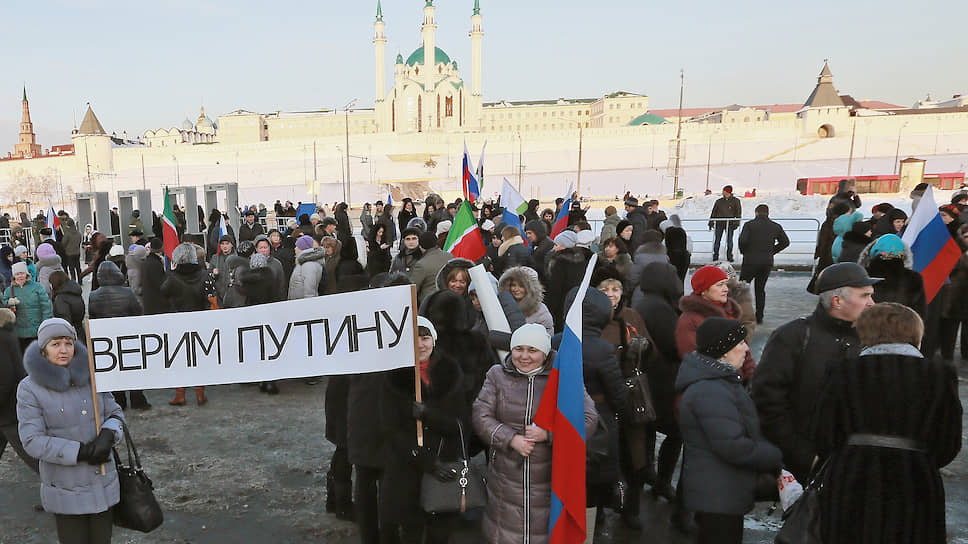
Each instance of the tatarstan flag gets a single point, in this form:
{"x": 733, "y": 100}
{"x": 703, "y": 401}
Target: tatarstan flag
{"x": 464, "y": 239}
{"x": 562, "y": 413}
{"x": 170, "y": 234}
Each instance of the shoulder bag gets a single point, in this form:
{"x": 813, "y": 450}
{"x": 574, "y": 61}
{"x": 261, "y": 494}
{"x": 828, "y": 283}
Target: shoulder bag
{"x": 464, "y": 493}
{"x": 138, "y": 509}
{"x": 633, "y": 351}
{"x": 801, "y": 523}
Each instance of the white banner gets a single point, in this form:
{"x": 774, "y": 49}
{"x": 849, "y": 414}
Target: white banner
{"x": 349, "y": 333}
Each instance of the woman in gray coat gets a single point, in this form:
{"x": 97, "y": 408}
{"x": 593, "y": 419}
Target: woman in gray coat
{"x": 57, "y": 427}
{"x": 519, "y": 472}
{"x": 724, "y": 447}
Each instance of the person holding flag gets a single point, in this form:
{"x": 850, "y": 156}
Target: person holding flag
{"x": 170, "y": 232}
{"x": 561, "y": 220}
{"x": 521, "y": 504}
{"x": 464, "y": 239}
{"x": 469, "y": 185}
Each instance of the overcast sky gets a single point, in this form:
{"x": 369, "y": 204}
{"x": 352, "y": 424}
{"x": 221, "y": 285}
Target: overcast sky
{"x": 150, "y": 64}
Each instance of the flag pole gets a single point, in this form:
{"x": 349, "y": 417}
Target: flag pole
{"x": 90, "y": 366}
{"x": 416, "y": 359}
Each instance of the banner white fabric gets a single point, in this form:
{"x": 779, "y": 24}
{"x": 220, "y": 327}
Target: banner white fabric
{"x": 349, "y": 333}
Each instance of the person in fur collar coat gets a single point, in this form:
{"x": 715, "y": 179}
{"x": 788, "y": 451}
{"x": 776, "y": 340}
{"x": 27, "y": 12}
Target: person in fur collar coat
{"x": 523, "y": 284}
{"x": 890, "y": 258}
{"x": 57, "y": 426}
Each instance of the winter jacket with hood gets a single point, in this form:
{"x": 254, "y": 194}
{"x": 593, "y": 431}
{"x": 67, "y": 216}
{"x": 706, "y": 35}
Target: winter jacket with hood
{"x": 6, "y": 253}
{"x": 453, "y": 317}
{"x": 309, "y": 278}
{"x": 46, "y": 267}
{"x": 564, "y": 270}
{"x": 113, "y": 298}
{"x": 33, "y": 309}
{"x": 540, "y": 248}
{"x": 899, "y": 282}
{"x": 843, "y": 225}
{"x": 69, "y": 305}
{"x": 657, "y": 301}
{"x": 724, "y": 447}
{"x": 532, "y": 305}
{"x": 350, "y": 275}
{"x": 518, "y": 488}
{"x": 678, "y": 244}
{"x": 855, "y": 240}
{"x": 608, "y": 227}
{"x": 188, "y": 287}
{"x": 219, "y": 261}
{"x": 603, "y": 382}
{"x": 256, "y": 284}
{"x": 134, "y": 261}
{"x": 55, "y": 418}
{"x": 11, "y": 368}
{"x": 71, "y": 239}
{"x": 647, "y": 253}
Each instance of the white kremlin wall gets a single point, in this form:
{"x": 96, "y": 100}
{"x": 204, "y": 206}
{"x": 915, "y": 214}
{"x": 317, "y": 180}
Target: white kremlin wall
{"x": 768, "y": 155}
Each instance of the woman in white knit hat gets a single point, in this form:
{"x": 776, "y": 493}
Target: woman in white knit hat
{"x": 519, "y": 472}
{"x": 28, "y": 299}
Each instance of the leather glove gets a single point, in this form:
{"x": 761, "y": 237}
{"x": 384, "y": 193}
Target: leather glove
{"x": 424, "y": 458}
{"x": 444, "y": 473}
{"x": 101, "y": 447}
{"x": 418, "y": 410}
{"x": 84, "y": 452}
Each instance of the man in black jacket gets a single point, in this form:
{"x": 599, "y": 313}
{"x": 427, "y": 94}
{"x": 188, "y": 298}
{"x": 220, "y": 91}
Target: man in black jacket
{"x": 152, "y": 276}
{"x": 250, "y": 228}
{"x": 541, "y": 245}
{"x": 759, "y": 241}
{"x": 728, "y": 206}
{"x": 794, "y": 363}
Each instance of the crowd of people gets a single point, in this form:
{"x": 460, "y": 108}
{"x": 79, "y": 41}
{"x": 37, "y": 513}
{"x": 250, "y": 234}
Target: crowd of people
{"x": 854, "y": 388}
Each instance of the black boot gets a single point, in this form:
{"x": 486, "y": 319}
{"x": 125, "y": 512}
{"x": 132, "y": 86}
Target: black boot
{"x": 668, "y": 457}
{"x": 684, "y": 521}
{"x": 121, "y": 397}
{"x": 632, "y": 506}
{"x": 330, "y": 493}
{"x": 647, "y": 475}
{"x": 344, "y": 501}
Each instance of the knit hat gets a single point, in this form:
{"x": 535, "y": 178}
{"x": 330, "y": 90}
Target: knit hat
{"x": 949, "y": 209}
{"x": 888, "y": 246}
{"x": 260, "y": 238}
{"x": 717, "y": 335}
{"x": 304, "y": 242}
{"x": 17, "y": 268}
{"x": 54, "y": 327}
{"x": 584, "y": 238}
{"x": 728, "y": 188}
{"x": 156, "y": 244}
{"x": 444, "y": 226}
{"x": 621, "y": 226}
{"x": 116, "y": 251}
{"x": 706, "y": 277}
{"x": 184, "y": 253}
{"x": 861, "y": 227}
{"x": 427, "y": 240}
{"x": 246, "y": 249}
{"x": 19, "y": 250}
{"x": 566, "y": 239}
{"x": 410, "y": 231}
{"x": 258, "y": 260}
{"x": 45, "y": 250}
{"x": 314, "y": 216}
{"x": 424, "y": 322}
{"x": 532, "y": 334}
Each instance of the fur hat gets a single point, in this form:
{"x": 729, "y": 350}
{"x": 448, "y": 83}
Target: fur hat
{"x": 584, "y": 238}
{"x": 427, "y": 240}
{"x": 706, "y": 277}
{"x": 45, "y": 251}
{"x": 304, "y": 242}
{"x": 444, "y": 226}
{"x": 246, "y": 249}
{"x": 19, "y": 250}
{"x": 410, "y": 231}
{"x": 54, "y": 327}
{"x": 156, "y": 244}
{"x": 532, "y": 334}
{"x": 417, "y": 223}
{"x": 16, "y": 268}
{"x": 258, "y": 260}
{"x": 184, "y": 253}
{"x": 566, "y": 239}
{"x": 117, "y": 251}
{"x": 717, "y": 335}
{"x": 622, "y": 225}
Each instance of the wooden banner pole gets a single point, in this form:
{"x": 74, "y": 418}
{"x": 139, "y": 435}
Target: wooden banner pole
{"x": 90, "y": 366}
{"x": 416, "y": 359}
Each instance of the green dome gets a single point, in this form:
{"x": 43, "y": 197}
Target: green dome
{"x": 417, "y": 57}
{"x": 647, "y": 119}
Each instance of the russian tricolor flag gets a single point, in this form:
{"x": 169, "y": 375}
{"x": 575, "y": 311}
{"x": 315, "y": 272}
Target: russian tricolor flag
{"x": 562, "y": 412}
{"x": 935, "y": 251}
{"x": 53, "y": 222}
{"x": 561, "y": 222}
{"x": 469, "y": 186}
{"x": 222, "y": 231}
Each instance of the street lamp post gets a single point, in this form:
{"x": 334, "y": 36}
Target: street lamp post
{"x": 177, "y": 173}
{"x": 581, "y": 128}
{"x": 897, "y": 152}
{"x": 346, "y": 111}
{"x": 675, "y": 182}
{"x": 709, "y": 156}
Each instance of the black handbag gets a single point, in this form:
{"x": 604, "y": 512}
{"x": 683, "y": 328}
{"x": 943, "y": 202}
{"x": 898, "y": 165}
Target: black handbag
{"x": 801, "y": 522}
{"x": 467, "y": 492}
{"x": 634, "y": 350}
{"x": 138, "y": 509}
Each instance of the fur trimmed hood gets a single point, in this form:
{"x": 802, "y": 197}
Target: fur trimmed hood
{"x": 449, "y": 313}
{"x": 865, "y": 256}
{"x": 456, "y": 262}
{"x": 7, "y": 318}
{"x": 314, "y": 254}
{"x": 108, "y": 273}
{"x": 57, "y": 378}
{"x": 527, "y": 277}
